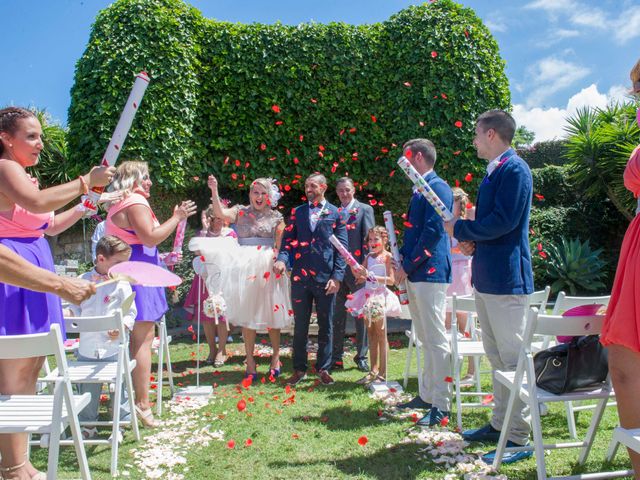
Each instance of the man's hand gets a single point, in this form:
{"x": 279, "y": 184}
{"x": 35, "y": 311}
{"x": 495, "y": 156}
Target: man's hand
{"x": 279, "y": 267}
{"x": 332, "y": 287}
{"x": 400, "y": 275}
{"x": 467, "y": 248}
{"x": 75, "y": 290}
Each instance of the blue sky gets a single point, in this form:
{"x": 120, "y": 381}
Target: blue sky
{"x": 561, "y": 54}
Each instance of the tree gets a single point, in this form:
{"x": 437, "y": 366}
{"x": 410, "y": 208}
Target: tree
{"x": 523, "y": 137}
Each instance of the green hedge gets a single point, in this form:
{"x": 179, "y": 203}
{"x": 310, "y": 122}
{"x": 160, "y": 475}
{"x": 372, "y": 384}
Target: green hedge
{"x": 243, "y": 101}
{"x": 541, "y": 154}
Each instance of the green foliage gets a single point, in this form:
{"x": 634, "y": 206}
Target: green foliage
{"x": 523, "y": 137}
{"x": 53, "y": 166}
{"x": 599, "y": 144}
{"x": 541, "y": 154}
{"x": 552, "y": 183}
{"x": 244, "y": 101}
{"x": 575, "y": 267}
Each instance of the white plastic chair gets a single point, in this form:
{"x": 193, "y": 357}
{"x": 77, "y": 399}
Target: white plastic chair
{"x": 521, "y": 383}
{"x": 44, "y": 414}
{"x": 564, "y": 303}
{"x": 117, "y": 373}
{"x": 161, "y": 347}
{"x": 460, "y": 349}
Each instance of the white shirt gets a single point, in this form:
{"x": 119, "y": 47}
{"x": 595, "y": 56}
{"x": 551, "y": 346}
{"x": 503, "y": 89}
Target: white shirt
{"x": 98, "y": 233}
{"x": 314, "y": 215}
{"x": 105, "y": 302}
{"x": 350, "y": 206}
{"x": 493, "y": 164}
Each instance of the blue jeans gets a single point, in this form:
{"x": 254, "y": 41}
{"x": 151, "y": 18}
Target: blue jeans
{"x": 90, "y": 412}
{"x": 302, "y": 297}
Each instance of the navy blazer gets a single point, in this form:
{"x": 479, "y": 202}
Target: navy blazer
{"x": 311, "y": 254}
{"x": 502, "y": 260}
{"x": 358, "y": 225}
{"x": 426, "y": 248}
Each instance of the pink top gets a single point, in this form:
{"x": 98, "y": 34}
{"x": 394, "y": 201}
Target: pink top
{"x": 21, "y": 223}
{"x": 128, "y": 236}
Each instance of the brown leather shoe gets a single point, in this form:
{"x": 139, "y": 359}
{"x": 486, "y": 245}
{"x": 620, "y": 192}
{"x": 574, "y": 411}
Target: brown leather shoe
{"x": 296, "y": 378}
{"x": 325, "y": 378}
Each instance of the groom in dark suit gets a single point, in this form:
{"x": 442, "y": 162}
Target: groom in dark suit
{"x": 359, "y": 219}
{"x": 317, "y": 271}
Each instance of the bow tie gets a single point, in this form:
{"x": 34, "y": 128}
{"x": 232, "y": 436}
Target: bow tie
{"x": 314, "y": 207}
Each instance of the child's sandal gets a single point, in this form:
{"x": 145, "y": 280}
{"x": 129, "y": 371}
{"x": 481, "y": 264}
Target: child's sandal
{"x": 146, "y": 417}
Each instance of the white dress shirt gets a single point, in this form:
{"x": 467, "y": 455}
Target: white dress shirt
{"x": 314, "y": 214}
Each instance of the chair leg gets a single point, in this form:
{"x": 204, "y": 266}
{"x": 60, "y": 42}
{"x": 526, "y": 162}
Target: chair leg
{"x": 159, "y": 377}
{"x": 407, "y": 364}
{"x": 593, "y": 428}
{"x": 115, "y": 431}
{"x": 538, "y": 442}
{"x": 419, "y": 365}
{"x": 506, "y": 426}
{"x": 78, "y": 444}
{"x": 613, "y": 446}
{"x": 167, "y": 356}
{"x": 571, "y": 420}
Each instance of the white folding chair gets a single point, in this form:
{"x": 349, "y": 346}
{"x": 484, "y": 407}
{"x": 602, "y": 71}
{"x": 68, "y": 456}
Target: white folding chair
{"x": 414, "y": 343}
{"x": 564, "y": 303}
{"x": 161, "y": 347}
{"x": 116, "y": 373}
{"x": 460, "y": 349}
{"x": 630, "y": 438}
{"x": 521, "y": 383}
{"x": 44, "y": 414}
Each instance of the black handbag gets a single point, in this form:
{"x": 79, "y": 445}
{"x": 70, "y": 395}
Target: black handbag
{"x": 578, "y": 365}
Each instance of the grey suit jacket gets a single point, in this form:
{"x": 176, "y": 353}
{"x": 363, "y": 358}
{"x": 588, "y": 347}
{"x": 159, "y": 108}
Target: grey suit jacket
{"x": 358, "y": 224}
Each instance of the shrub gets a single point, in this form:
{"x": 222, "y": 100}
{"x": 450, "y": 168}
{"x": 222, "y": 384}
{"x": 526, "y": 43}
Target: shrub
{"x": 243, "y": 101}
{"x": 542, "y": 154}
{"x": 575, "y": 267}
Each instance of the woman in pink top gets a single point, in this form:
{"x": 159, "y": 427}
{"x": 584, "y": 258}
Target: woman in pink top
{"x": 26, "y": 214}
{"x": 132, "y": 220}
{"x": 621, "y": 329}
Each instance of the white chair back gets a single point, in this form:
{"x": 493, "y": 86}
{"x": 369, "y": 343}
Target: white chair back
{"x": 540, "y": 298}
{"x": 564, "y": 303}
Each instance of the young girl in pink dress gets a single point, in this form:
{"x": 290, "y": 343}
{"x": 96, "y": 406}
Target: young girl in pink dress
{"x": 460, "y": 269}
{"x": 212, "y": 226}
{"x": 375, "y": 301}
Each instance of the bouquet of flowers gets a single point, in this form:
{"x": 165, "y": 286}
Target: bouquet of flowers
{"x": 214, "y": 306}
{"x": 374, "y": 309}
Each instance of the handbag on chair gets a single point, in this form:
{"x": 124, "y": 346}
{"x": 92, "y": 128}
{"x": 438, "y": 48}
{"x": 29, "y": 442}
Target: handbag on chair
{"x": 577, "y": 365}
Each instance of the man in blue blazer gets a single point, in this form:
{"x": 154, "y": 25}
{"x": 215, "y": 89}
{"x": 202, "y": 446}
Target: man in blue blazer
{"x": 501, "y": 269}
{"x": 426, "y": 264}
{"x": 316, "y": 274}
{"x": 359, "y": 219}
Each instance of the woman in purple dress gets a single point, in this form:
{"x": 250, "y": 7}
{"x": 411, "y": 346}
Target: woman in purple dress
{"x": 132, "y": 220}
{"x": 26, "y": 214}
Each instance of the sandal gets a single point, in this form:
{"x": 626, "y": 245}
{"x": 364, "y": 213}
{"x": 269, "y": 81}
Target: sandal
{"x": 146, "y": 417}
{"x": 367, "y": 379}
{"x": 220, "y": 360}
{"x": 36, "y": 476}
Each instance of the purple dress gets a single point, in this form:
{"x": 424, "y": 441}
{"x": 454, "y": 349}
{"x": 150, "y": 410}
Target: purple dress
{"x": 151, "y": 302}
{"x": 24, "y": 311}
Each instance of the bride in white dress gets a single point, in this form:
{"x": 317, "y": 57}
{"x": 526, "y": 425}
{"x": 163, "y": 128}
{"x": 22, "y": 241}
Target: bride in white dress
{"x": 256, "y": 298}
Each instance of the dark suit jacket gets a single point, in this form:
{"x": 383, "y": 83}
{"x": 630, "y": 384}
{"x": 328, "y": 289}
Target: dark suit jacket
{"x": 426, "y": 248}
{"x": 310, "y": 254}
{"x": 358, "y": 225}
{"x": 502, "y": 260}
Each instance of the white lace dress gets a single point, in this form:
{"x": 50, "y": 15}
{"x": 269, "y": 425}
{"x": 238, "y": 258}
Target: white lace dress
{"x": 243, "y": 272}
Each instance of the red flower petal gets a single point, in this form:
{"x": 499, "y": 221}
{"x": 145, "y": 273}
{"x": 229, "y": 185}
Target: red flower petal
{"x": 231, "y": 444}
{"x": 241, "y": 406}
{"x": 263, "y": 147}
{"x": 248, "y": 442}
{"x": 407, "y": 84}
{"x": 374, "y": 119}
{"x": 448, "y": 379}
{"x": 444, "y": 422}
{"x": 363, "y": 440}
{"x": 458, "y": 124}
{"x": 275, "y": 108}
{"x": 468, "y": 177}
{"x": 434, "y": 54}
{"x": 487, "y": 399}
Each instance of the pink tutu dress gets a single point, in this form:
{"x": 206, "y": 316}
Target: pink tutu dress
{"x": 374, "y": 291}
{"x": 460, "y": 272}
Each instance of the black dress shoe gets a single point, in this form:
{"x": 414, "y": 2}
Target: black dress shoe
{"x": 362, "y": 365}
{"x": 416, "y": 403}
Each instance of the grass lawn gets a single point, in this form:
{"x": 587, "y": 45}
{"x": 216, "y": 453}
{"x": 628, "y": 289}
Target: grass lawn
{"x": 313, "y": 437}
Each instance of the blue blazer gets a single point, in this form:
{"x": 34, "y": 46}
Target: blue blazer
{"x": 502, "y": 260}
{"x": 310, "y": 254}
{"x": 426, "y": 247}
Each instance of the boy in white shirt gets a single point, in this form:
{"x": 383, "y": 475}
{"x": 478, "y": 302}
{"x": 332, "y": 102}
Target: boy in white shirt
{"x": 103, "y": 346}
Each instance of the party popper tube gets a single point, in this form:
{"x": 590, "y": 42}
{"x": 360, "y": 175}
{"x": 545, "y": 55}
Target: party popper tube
{"x": 395, "y": 252}
{"x": 423, "y": 187}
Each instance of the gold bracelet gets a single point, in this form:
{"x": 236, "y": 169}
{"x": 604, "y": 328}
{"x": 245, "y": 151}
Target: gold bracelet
{"x": 83, "y": 184}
